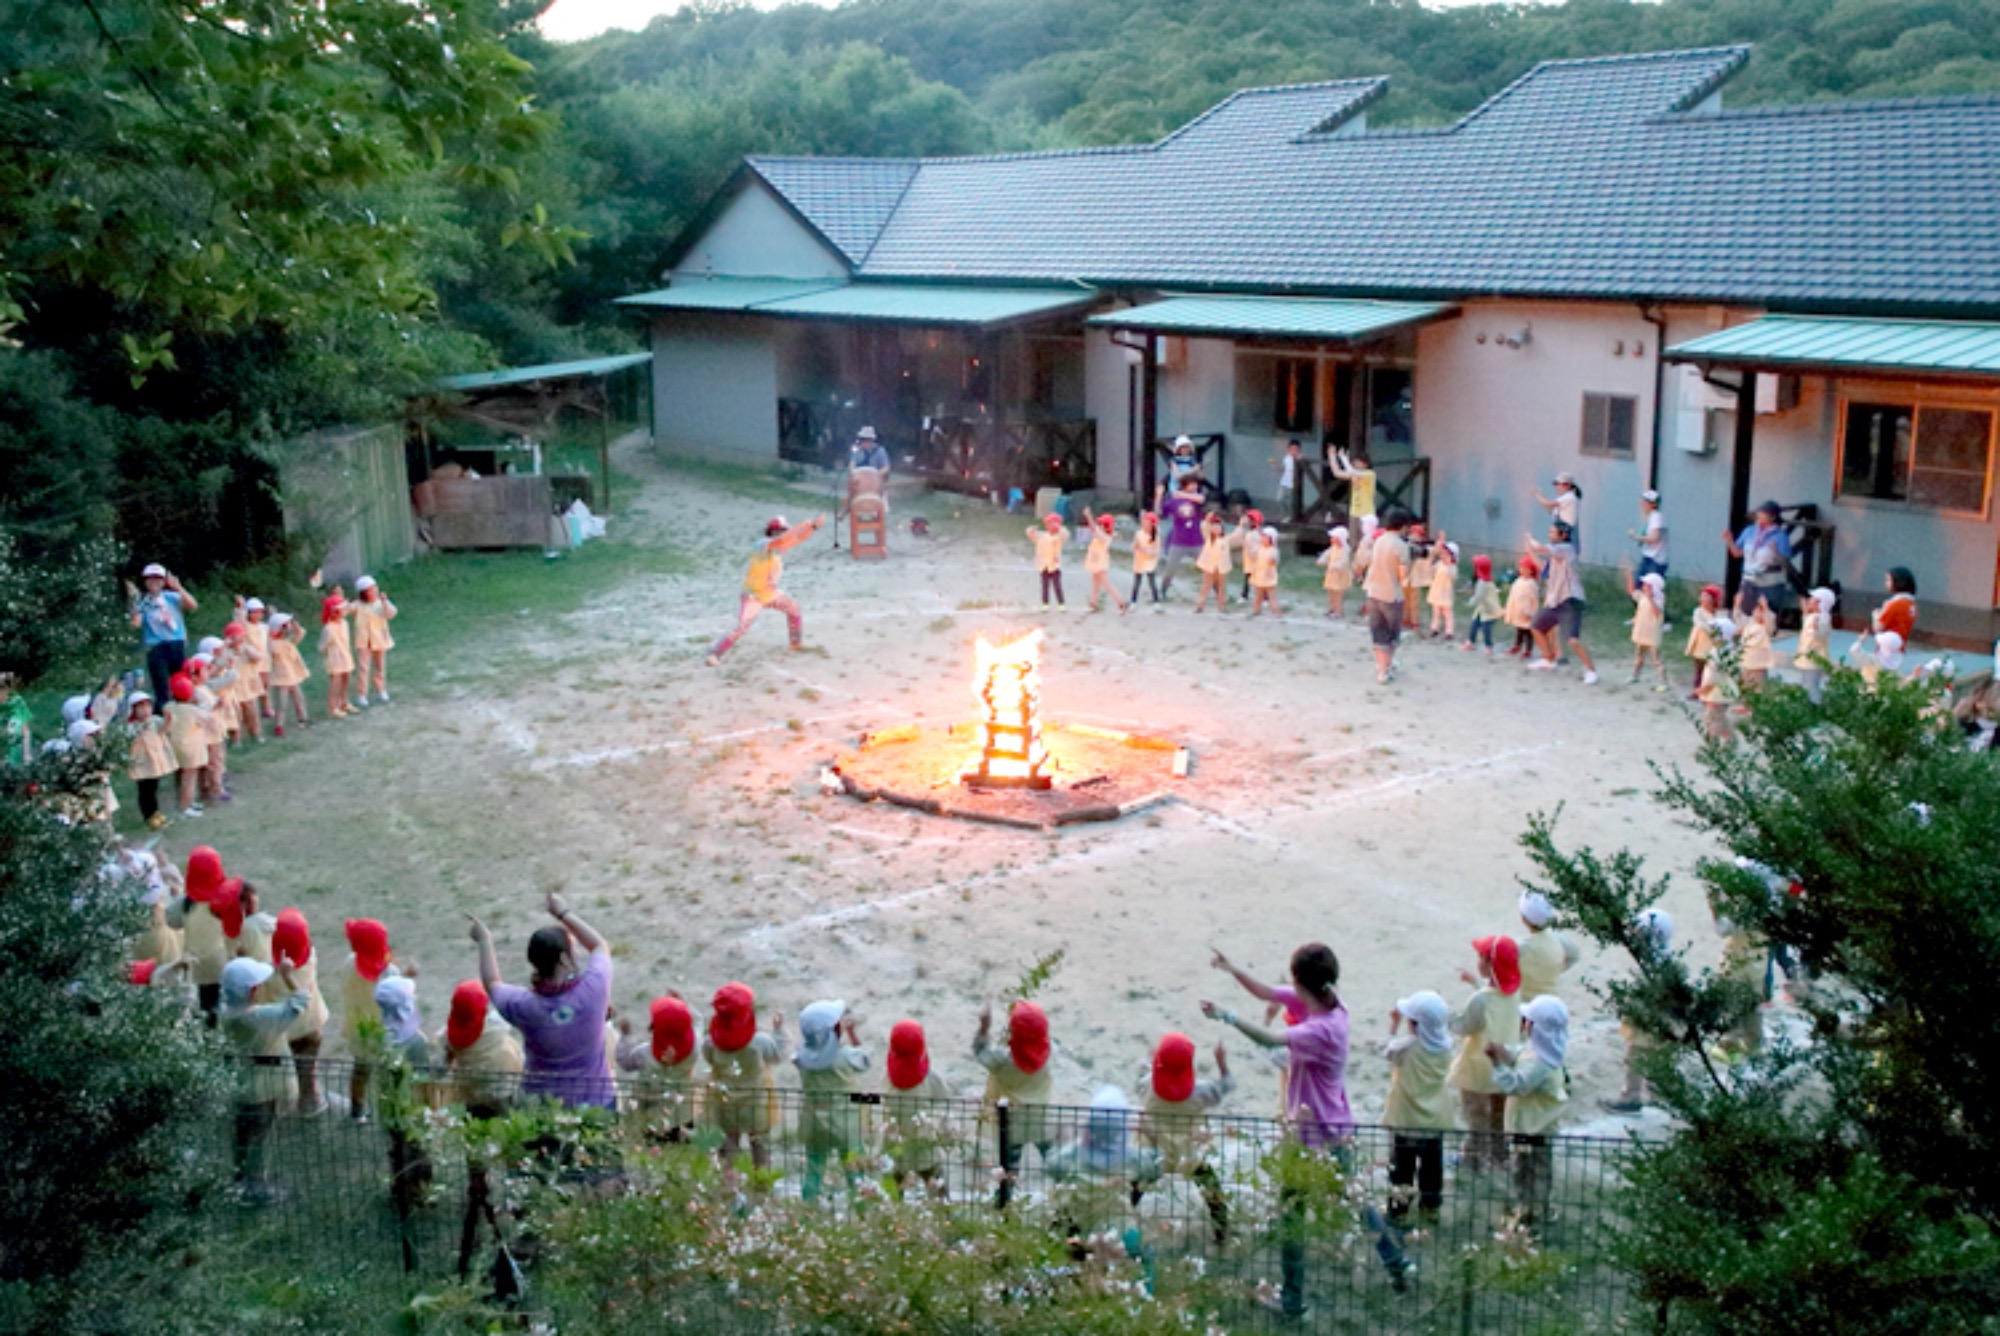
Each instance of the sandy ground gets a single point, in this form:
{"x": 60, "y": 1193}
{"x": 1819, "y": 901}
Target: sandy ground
{"x": 679, "y": 806}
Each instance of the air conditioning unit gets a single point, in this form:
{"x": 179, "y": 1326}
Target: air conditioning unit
{"x": 1775, "y": 394}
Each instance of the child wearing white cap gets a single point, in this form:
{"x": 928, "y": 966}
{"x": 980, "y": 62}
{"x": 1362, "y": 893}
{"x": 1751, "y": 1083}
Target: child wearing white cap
{"x": 1339, "y": 564}
{"x": 1537, "y": 1088}
{"x": 288, "y": 671}
{"x": 149, "y": 757}
{"x": 1649, "y": 617}
{"x": 1718, "y": 690}
{"x": 1756, "y": 657}
{"x": 372, "y": 642}
{"x": 1815, "y": 641}
{"x": 256, "y": 620}
{"x": 831, "y": 1060}
{"x": 1262, "y": 560}
{"x": 1546, "y": 954}
{"x": 1420, "y": 1105}
{"x": 256, "y": 1035}
{"x": 1444, "y": 590}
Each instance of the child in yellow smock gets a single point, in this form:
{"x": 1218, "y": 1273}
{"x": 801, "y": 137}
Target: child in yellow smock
{"x": 1097, "y": 561}
{"x": 187, "y": 733}
{"x": 1815, "y": 642}
{"x": 1537, "y": 1089}
{"x": 740, "y": 1064}
{"x": 1048, "y": 540}
{"x": 1263, "y": 572}
{"x": 1338, "y": 563}
{"x": 256, "y": 619}
{"x": 288, "y": 671}
{"x": 1491, "y": 1016}
{"x": 1213, "y": 563}
{"x": 1649, "y": 615}
{"x": 663, "y": 1061}
{"x": 336, "y": 650}
{"x": 1419, "y": 1109}
{"x": 1758, "y": 658}
{"x": 150, "y": 758}
{"x": 372, "y": 642}
{"x": 1443, "y": 591}
{"x": 1524, "y": 599}
{"x": 917, "y": 1117}
{"x": 1146, "y": 555}
{"x": 1173, "y": 1121}
{"x": 1701, "y": 636}
{"x": 1018, "y": 1072}
{"x": 1417, "y": 577}
{"x": 831, "y": 1062}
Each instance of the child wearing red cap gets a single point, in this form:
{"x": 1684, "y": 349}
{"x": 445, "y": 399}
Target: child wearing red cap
{"x": 336, "y": 649}
{"x": 482, "y": 1052}
{"x": 741, "y": 1063}
{"x": 244, "y": 698}
{"x": 913, "y": 1110}
{"x": 1213, "y": 563}
{"x": 1048, "y": 538}
{"x": 1097, "y": 561}
{"x": 1486, "y": 608}
{"x": 1491, "y": 1016}
{"x": 369, "y": 961}
{"x": 1172, "y": 1121}
{"x": 1524, "y": 600}
{"x": 214, "y": 723}
{"x": 760, "y": 583}
{"x": 291, "y": 947}
{"x": 288, "y": 671}
{"x": 1146, "y": 555}
{"x": 1701, "y": 635}
{"x": 663, "y": 1060}
{"x": 187, "y": 734}
{"x": 1018, "y": 1073}
{"x": 195, "y": 916}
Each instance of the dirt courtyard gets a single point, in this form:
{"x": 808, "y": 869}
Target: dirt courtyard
{"x": 679, "y": 806}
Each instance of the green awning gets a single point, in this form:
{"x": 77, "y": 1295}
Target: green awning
{"x": 1316, "y": 318}
{"x": 727, "y": 294}
{"x": 525, "y": 375}
{"x": 1850, "y": 343}
{"x": 892, "y": 303}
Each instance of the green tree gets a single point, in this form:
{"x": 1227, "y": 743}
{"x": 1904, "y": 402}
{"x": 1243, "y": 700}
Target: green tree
{"x": 1847, "y": 1179}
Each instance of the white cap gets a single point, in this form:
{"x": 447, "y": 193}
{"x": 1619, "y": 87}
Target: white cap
{"x": 154, "y": 570}
{"x": 75, "y": 708}
{"x": 81, "y": 729}
{"x": 865, "y": 434}
{"x": 1183, "y": 440}
{"x": 1535, "y": 909}
{"x": 243, "y": 974}
{"x": 253, "y": 605}
{"x": 138, "y": 696}
{"x": 1654, "y": 580}
{"x": 279, "y": 619}
{"x": 209, "y": 644}
{"x": 1650, "y": 495}
{"x": 1825, "y": 597}
{"x": 1722, "y": 628}
{"x": 364, "y": 584}
{"x": 201, "y": 659}
{"x": 1453, "y": 549}
{"x": 55, "y": 746}
{"x": 1565, "y": 478}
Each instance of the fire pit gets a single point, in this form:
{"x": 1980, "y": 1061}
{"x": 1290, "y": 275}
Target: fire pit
{"x": 1009, "y": 766}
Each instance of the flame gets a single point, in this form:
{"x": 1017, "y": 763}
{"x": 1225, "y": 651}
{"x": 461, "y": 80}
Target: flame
{"x": 1007, "y": 683}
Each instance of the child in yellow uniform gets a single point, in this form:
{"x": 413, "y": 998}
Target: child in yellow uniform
{"x": 1444, "y": 591}
{"x": 911, "y": 1105}
{"x": 1213, "y": 563}
{"x": 372, "y": 641}
{"x": 1097, "y": 561}
{"x": 1815, "y": 642}
{"x": 1717, "y": 690}
{"x": 1243, "y": 542}
{"x": 291, "y": 945}
{"x": 1048, "y": 539}
{"x": 1419, "y": 1109}
{"x": 1546, "y": 955}
{"x": 187, "y": 732}
{"x": 1339, "y": 564}
{"x": 740, "y": 1064}
{"x": 246, "y": 694}
{"x": 1537, "y": 1088}
{"x": 1524, "y": 598}
{"x": 483, "y": 1052}
{"x": 288, "y": 671}
{"x": 1491, "y": 1016}
{"x": 194, "y": 916}
{"x": 1701, "y": 636}
{"x": 831, "y": 1061}
{"x": 664, "y": 1061}
{"x": 1758, "y": 658}
{"x": 1146, "y": 556}
{"x": 1654, "y": 929}
{"x": 1417, "y": 577}
{"x": 150, "y": 758}
{"x": 256, "y": 619}
{"x": 1174, "y": 1124}
{"x": 336, "y": 651}
{"x": 215, "y": 716}
{"x": 1263, "y": 572}
{"x": 1649, "y": 615}
{"x": 1019, "y": 1074}
{"x": 371, "y": 961}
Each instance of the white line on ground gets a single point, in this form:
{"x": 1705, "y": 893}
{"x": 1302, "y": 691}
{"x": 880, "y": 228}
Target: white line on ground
{"x": 608, "y": 754}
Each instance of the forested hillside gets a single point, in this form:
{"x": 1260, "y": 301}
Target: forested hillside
{"x": 226, "y": 222}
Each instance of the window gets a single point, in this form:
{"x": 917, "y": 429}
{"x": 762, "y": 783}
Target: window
{"x": 1610, "y": 422}
{"x": 1275, "y": 395}
{"x": 1934, "y": 455}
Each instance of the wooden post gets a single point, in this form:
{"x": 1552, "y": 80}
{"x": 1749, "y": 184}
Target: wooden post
{"x": 604, "y": 444}
{"x": 1149, "y": 419}
{"x": 1739, "y": 474}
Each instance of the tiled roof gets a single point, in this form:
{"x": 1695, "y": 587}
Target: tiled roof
{"x": 527, "y": 375}
{"x": 1600, "y": 178}
{"x": 889, "y": 303}
{"x": 1947, "y": 346}
{"x": 847, "y": 199}
{"x": 1316, "y": 318}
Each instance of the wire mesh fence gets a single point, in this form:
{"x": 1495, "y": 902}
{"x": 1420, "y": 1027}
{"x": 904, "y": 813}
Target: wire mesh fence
{"x": 1380, "y": 1231}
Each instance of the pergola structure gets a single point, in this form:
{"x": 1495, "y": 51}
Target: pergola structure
{"x": 528, "y": 400}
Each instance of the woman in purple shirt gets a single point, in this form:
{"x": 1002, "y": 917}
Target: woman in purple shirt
{"x": 1315, "y": 1045}
{"x": 561, "y": 1015}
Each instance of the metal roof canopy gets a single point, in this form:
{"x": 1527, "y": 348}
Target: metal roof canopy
{"x": 1947, "y": 349}
{"x": 528, "y": 375}
{"x": 1317, "y": 319}
{"x": 890, "y": 303}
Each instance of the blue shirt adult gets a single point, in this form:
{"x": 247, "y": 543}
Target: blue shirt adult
{"x": 869, "y": 455}
{"x": 162, "y": 618}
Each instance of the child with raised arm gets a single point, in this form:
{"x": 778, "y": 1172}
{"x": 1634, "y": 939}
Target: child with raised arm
{"x": 1243, "y": 542}
{"x": 760, "y": 584}
{"x": 1491, "y": 1016}
{"x": 150, "y": 758}
{"x": 1049, "y": 538}
{"x": 1018, "y": 1073}
{"x": 1717, "y": 689}
{"x": 1815, "y": 641}
{"x": 1443, "y": 590}
{"x": 741, "y": 1063}
{"x": 1756, "y": 657}
{"x": 372, "y": 642}
{"x": 336, "y": 651}
{"x": 1146, "y": 556}
{"x": 256, "y": 620}
{"x": 1419, "y": 1107}
{"x": 911, "y": 1106}
{"x": 1485, "y": 606}
{"x": 1339, "y": 564}
{"x": 1649, "y": 616}
{"x": 1417, "y": 575}
{"x": 1213, "y": 563}
{"x": 1537, "y": 1089}
{"x": 1173, "y": 1122}
{"x": 1263, "y": 572}
{"x": 1097, "y": 561}
{"x": 1524, "y": 595}
{"x": 831, "y": 1061}
{"x": 1701, "y": 634}
{"x": 288, "y": 671}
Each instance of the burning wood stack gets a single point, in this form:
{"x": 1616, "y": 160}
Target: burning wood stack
{"x": 1007, "y": 682}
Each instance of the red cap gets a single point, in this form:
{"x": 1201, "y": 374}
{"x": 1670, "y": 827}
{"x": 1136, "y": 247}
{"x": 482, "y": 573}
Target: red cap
{"x": 1052, "y": 521}
{"x": 734, "y": 1022}
{"x": 1714, "y": 592}
{"x": 673, "y": 1030}
{"x": 369, "y": 941}
{"x": 1482, "y": 567}
{"x": 181, "y": 687}
{"x": 1256, "y": 518}
{"x": 468, "y": 1015}
{"x": 234, "y": 631}
{"x": 1108, "y": 523}
{"x": 140, "y": 972}
{"x": 1148, "y": 520}
{"x": 291, "y": 940}
{"x": 330, "y": 609}
{"x": 1173, "y": 1068}
{"x": 1028, "y": 1036}
{"x": 909, "y": 1059}
{"x": 228, "y": 906}
{"x": 1529, "y": 568}
{"x": 204, "y": 874}
{"x": 196, "y": 670}
{"x": 1504, "y": 955}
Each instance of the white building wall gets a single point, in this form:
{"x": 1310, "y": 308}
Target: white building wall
{"x": 757, "y": 236}
{"x": 1107, "y": 398}
{"x": 715, "y": 384}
